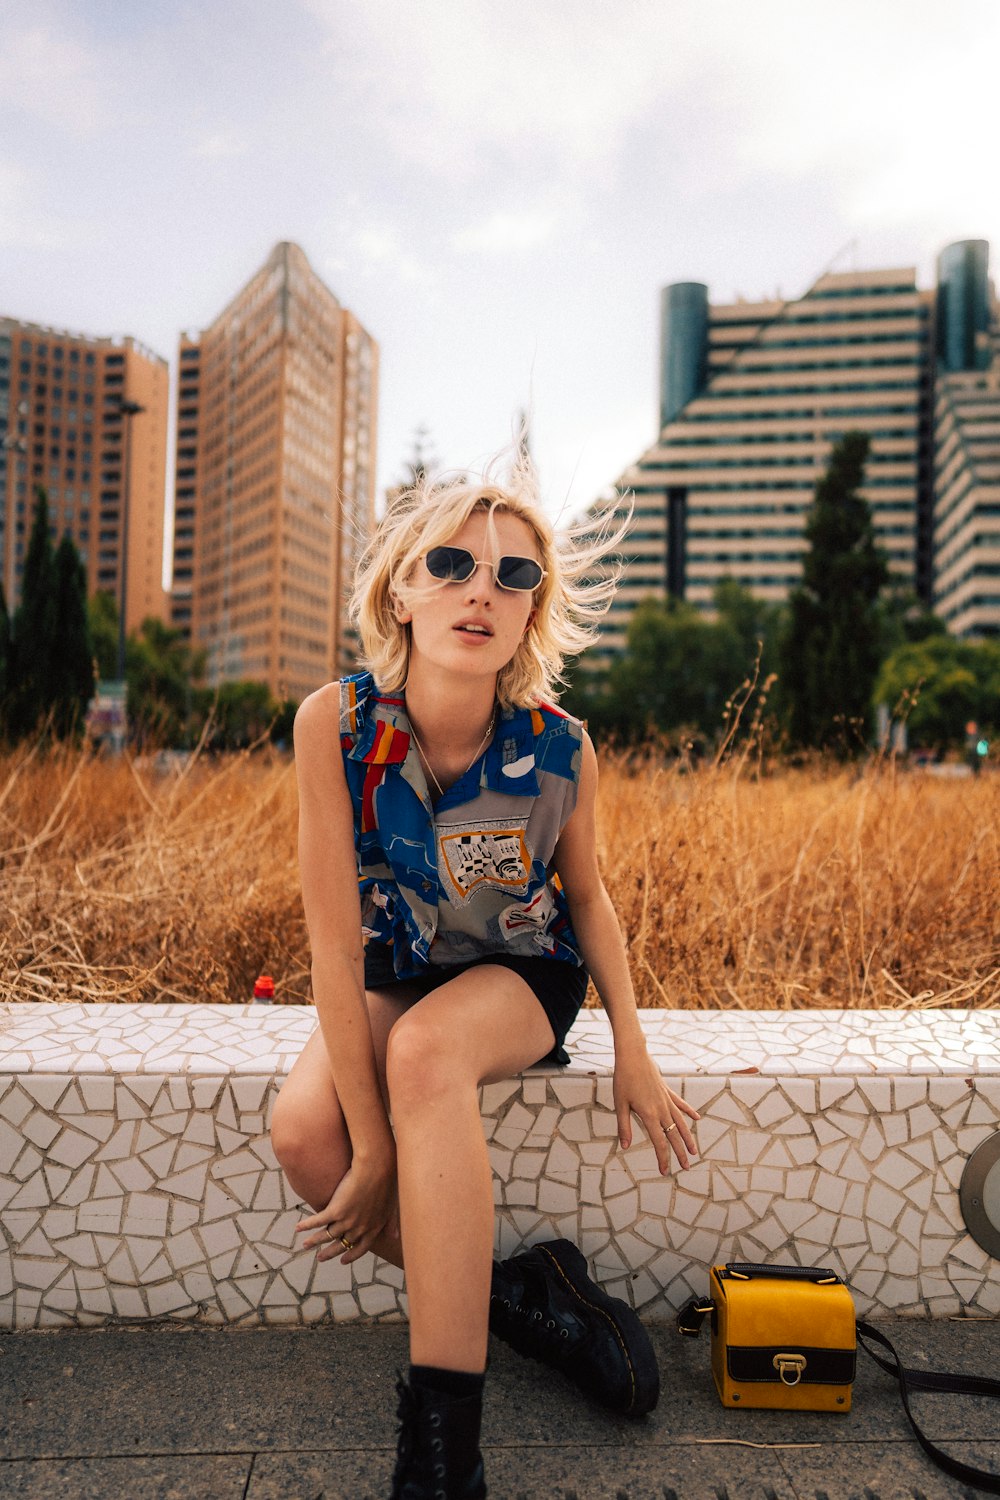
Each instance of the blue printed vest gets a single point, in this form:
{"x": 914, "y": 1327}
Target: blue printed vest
{"x": 471, "y": 875}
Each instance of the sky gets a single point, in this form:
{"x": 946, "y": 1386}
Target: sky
{"x": 497, "y": 188}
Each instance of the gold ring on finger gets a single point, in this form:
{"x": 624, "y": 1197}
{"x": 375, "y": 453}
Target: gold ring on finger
{"x": 668, "y": 1128}
{"x": 346, "y": 1242}
{"x": 330, "y": 1233}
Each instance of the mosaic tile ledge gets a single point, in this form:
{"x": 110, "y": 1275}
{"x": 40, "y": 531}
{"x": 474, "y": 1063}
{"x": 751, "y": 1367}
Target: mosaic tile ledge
{"x": 223, "y": 1039}
{"x": 137, "y": 1181}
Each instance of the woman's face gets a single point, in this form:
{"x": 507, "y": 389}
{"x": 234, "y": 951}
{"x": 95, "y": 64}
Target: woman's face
{"x": 474, "y": 628}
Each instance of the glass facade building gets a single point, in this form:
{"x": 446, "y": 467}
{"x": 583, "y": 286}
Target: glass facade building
{"x": 963, "y": 307}
{"x": 967, "y": 446}
{"x": 724, "y": 491}
{"x": 683, "y": 346}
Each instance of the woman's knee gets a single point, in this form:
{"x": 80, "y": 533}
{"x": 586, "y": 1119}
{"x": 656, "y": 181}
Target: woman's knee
{"x": 306, "y": 1140}
{"x": 422, "y": 1063}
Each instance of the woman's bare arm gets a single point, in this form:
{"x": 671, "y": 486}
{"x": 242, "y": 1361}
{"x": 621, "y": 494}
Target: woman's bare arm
{"x": 638, "y": 1087}
{"x": 329, "y": 875}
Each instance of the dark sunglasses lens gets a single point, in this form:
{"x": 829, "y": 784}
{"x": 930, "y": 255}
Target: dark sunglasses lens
{"x": 519, "y": 573}
{"x": 451, "y": 564}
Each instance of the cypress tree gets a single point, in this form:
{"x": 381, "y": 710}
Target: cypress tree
{"x": 73, "y": 663}
{"x": 4, "y": 664}
{"x": 34, "y": 629}
{"x": 831, "y": 651}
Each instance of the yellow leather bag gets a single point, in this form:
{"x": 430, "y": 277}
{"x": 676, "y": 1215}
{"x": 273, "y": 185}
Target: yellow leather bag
{"x": 782, "y": 1336}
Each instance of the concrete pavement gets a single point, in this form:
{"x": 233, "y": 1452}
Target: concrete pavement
{"x": 161, "y": 1413}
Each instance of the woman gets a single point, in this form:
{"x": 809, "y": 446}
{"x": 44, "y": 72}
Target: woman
{"x": 466, "y": 804}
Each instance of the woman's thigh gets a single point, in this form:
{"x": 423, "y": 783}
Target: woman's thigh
{"x": 480, "y": 1027}
{"x": 309, "y": 1092}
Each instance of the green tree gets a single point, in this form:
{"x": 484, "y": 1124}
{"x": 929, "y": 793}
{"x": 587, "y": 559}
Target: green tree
{"x": 160, "y": 668}
{"x": 72, "y": 673}
{"x": 938, "y": 685}
{"x": 903, "y": 618}
{"x": 33, "y": 631}
{"x": 755, "y": 627}
{"x": 242, "y": 714}
{"x": 284, "y": 722}
{"x": 4, "y": 660}
{"x": 102, "y": 613}
{"x": 680, "y": 668}
{"x": 831, "y": 650}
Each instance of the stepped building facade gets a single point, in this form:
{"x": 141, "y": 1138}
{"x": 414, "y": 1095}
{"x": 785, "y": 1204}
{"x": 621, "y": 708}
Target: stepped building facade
{"x": 274, "y": 496}
{"x": 967, "y": 445}
{"x": 753, "y": 397}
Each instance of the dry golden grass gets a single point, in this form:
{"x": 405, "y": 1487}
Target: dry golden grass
{"x": 803, "y": 888}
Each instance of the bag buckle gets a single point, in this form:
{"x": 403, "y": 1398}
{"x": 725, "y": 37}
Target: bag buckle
{"x": 789, "y": 1365}
{"x": 693, "y": 1314}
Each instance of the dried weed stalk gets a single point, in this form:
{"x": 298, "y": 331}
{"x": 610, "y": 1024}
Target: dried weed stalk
{"x": 736, "y": 886}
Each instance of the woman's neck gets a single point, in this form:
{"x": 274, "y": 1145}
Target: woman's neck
{"x": 451, "y": 715}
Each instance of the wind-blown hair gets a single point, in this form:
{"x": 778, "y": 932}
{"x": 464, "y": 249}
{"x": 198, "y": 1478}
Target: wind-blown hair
{"x": 580, "y": 573}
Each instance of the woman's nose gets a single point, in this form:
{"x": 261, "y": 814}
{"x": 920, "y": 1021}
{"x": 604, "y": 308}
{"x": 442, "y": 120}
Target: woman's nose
{"x": 482, "y": 582}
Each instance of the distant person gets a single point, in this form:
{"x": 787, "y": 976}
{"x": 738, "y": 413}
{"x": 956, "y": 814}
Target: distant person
{"x": 465, "y": 802}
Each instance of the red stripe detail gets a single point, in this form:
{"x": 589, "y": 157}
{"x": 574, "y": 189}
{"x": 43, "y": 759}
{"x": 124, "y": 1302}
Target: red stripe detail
{"x": 389, "y": 746}
{"x": 373, "y": 779}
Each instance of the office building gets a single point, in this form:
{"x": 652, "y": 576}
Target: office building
{"x": 753, "y": 396}
{"x": 967, "y": 445}
{"x": 275, "y": 480}
{"x": 62, "y": 427}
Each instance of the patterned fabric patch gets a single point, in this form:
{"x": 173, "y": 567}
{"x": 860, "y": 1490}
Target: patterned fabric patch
{"x": 496, "y": 857}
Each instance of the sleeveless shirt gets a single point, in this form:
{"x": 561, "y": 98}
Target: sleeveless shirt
{"x": 470, "y": 875}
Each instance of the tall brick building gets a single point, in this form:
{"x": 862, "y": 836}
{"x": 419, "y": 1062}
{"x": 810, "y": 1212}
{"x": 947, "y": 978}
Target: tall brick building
{"x": 275, "y": 479}
{"x": 62, "y": 427}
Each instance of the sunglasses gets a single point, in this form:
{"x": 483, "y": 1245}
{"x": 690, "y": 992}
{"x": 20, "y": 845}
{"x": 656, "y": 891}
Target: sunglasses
{"x": 457, "y": 564}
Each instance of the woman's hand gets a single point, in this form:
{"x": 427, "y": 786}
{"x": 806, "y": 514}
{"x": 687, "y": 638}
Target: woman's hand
{"x": 640, "y": 1090}
{"x": 364, "y": 1205}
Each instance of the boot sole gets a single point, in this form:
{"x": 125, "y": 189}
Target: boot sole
{"x": 633, "y": 1340}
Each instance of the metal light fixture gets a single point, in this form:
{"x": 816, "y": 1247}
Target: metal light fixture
{"x": 126, "y": 410}
{"x": 979, "y": 1195}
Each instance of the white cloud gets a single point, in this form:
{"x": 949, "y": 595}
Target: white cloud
{"x": 220, "y": 145}
{"x": 46, "y": 73}
{"x": 22, "y": 226}
{"x": 454, "y": 80}
{"x": 892, "y": 108}
{"x": 895, "y": 110}
{"x": 381, "y": 247}
{"x": 503, "y": 232}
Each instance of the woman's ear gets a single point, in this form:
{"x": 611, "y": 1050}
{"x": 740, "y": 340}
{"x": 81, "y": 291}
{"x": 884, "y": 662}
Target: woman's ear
{"x": 403, "y": 615}
{"x": 530, "y": 621}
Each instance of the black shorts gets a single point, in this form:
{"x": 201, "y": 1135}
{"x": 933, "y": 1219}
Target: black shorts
{"x": 558, "y": 986}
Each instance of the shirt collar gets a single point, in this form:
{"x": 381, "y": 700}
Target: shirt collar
{"x": 508, "y": 765}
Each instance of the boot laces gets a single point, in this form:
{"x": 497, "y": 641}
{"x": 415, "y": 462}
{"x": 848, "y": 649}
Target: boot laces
{"x": 525, "y": 1319}
{"x": 416, "y": 1460}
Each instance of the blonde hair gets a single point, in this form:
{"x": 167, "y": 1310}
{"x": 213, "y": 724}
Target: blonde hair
{"x": 579, "y": 582}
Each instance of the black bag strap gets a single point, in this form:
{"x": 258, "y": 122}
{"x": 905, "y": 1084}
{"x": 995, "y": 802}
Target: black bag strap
{"x": 934, "y": 1380}
{"x": 693, "y": 1314}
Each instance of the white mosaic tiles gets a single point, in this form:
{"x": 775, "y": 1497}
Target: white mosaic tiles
{"x": 137, "y": 1180}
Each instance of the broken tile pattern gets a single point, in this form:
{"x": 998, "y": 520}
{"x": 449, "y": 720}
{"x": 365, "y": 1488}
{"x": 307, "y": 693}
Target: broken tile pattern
{"x": 137, "y": 1180}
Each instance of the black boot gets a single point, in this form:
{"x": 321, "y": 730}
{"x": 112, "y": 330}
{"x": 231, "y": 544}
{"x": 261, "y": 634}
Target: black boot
{"x": 438, "y": 1455}
{"x": 544, "y": 1305}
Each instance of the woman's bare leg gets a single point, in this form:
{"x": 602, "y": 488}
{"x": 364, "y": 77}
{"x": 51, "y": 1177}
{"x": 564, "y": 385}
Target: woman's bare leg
{"x": 483, "y": 1025}
{"x": 308, "y": 1130}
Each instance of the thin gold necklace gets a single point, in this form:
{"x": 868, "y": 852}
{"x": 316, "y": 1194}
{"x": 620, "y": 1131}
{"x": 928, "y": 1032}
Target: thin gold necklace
{"x": 430, "y": 769}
